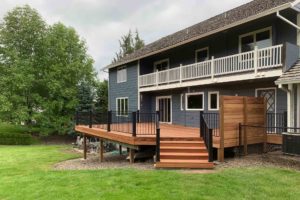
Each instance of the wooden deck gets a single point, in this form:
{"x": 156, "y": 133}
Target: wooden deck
{"x": 166, "y": 131}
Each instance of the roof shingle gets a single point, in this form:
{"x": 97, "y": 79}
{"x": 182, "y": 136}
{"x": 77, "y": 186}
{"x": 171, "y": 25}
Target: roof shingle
{"x": 227, "y": 18}
{"x": 290, "y": 76}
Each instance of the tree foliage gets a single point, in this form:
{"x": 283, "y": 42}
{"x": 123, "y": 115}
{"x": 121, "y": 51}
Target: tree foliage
{"x": 128, "y": 44}
{"x": 41, "y": 67}
{"x": 101, "y": 104}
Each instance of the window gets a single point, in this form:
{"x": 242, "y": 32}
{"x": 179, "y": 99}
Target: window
{"x": 213, "y": 100}
{"x": 161, "y": 65}
{"x": 182, "y": 102}
{"x": 261, "y": 38}
{"x": 121, "y": 74}
{"x": 194, "y": 101}
{"x": 202, "y": 54}
{"x": 122, "y": 106}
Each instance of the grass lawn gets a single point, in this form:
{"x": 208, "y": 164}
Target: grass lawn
{"x": 26, "y": 173}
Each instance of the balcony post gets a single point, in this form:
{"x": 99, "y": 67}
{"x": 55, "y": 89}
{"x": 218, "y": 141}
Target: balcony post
{"x": 180, "y": 73}
{"x": 255, "y": 59}
{"x": 156, "y": 77}
{"x": 212, "y": 67}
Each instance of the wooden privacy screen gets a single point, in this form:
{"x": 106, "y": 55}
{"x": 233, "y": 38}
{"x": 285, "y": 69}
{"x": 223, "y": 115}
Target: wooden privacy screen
{"x": 244, "y": 110}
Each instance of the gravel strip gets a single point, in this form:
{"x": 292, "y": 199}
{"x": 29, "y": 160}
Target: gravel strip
{"x": 115, "y": 161}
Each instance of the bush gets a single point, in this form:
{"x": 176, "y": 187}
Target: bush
{"x": 15, "y": 135}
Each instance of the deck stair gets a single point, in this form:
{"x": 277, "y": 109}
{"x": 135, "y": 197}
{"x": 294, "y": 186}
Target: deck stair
{"x": 183, "y": 153}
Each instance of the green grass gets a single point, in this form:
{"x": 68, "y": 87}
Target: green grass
{"x": 26, "y": 173}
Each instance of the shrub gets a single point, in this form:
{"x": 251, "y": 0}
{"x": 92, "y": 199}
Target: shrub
{"x": 15, "y": 135}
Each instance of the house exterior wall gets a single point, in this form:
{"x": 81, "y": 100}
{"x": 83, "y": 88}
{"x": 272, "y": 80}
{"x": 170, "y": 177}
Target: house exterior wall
{"x": 225, "y": 43}
{"x": 126, "y": 89}
{"x": 191, "y": 118}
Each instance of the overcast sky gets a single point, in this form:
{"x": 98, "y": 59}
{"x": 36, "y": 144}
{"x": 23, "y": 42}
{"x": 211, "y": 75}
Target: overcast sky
{"x": 102, "y": 22}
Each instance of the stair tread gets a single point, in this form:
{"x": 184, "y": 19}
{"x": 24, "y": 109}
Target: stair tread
{"x": 182, "y": 154}
{"x": 183, "y": 161}
{"x": 180, "y": 147}
{"x": 181, "y": 141}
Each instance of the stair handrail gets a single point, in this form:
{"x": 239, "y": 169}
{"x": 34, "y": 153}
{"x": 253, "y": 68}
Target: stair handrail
{"x": 207, "y": 134}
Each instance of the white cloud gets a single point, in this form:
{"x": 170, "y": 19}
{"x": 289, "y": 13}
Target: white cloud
{"x": 102, "y": 23}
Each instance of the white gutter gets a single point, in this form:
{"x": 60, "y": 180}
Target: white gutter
{"x": 286, "y": 20}
{"x": 251, "y": 18}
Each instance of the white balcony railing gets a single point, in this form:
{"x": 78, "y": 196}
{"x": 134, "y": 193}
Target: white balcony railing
{"x": 255, "y": 60}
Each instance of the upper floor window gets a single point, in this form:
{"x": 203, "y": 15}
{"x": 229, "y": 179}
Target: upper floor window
{"x": 121, "y": 74}
{"x": 161, "y": 65}
{"x": 194, "y": 101}
{"x": 122, "y": 106}
{"x": 260, "y": 38}
{"x": 202, "y": 54}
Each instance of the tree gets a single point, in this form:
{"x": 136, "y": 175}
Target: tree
{"x": 42, "y": 67}
{"x": 129, "y": 44}
{"x": 21, "y": 47}
{"x": 102, "y": 96}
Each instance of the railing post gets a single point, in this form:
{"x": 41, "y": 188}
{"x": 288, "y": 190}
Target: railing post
{"x": 210, "y": 146}
{"x": 157, "y": 138}
{"x": 212, "y": 67}
{"x": 255, "y": 59}
{"x": 134, "y": 124}
{"x": 91, "y": 119}
{"x": 157, "y": 77}
{"x": 201, "y": 124}
{"x": 109, "y": 113}
{"x": 138, "y": 116}
{"x": 180, "y": 73}
{"x": 285, "y": 121}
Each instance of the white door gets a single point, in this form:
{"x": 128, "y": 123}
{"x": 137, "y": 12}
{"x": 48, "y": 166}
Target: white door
{"x": 164, "y": 106}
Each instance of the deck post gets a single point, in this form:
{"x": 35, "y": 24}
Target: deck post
{"x": 131, "y": 155}
{"x": 201, "y": 124}
{"x": 120, "y": 149}
{"x": 134, "y": 124}
{"x": 101, "y": 150}
{"x": 90, "y": 118}
{"x": 157, "y": 144}
{"x": 210, "y": 146}
{"x": 84, "y": 147}
{"x": 109, "y": 113}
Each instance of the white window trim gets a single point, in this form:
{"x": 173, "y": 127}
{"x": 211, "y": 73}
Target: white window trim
{"x": 192, "y": 94}
{"x": 161, "y": 61}
{"x": 122, "y": 98}
{"x": 254, "y": 33}
{"x": 157, "y": 107}
{"x": 209, "y": 102}
{"x": 119, "y": 69}
{"x": 196, "y": 53}
{"x": 181, "y": 102}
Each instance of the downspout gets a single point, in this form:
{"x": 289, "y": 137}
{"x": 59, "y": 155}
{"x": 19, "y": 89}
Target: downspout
{"x": 287, "y": 21}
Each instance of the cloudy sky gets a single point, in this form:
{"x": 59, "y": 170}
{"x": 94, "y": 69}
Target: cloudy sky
{"x": 102, "y": 22}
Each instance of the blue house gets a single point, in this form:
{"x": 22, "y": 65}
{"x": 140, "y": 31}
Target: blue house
{"x": 230, "y": 81}
{"x": 246, "y": 51}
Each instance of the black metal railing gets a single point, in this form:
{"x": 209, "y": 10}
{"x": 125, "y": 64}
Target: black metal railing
{"x": 276, "y": 122}
{"x": 207, "y": 134}
{"x": 135, "y": 123}
{"x": 212, "y": 120}
{"x": 146, "y": 123}
{"x": 157, "y": 147}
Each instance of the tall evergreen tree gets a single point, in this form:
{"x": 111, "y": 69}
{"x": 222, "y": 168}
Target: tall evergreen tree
{"x": 128, "y": 44}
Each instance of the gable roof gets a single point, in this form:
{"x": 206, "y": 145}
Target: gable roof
{"x": 231, "y": 18}
{"x": 290, "y": 76}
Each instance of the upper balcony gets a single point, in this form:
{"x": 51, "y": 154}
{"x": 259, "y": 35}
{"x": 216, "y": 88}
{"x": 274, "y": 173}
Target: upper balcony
{"x": 259, "y": 63}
